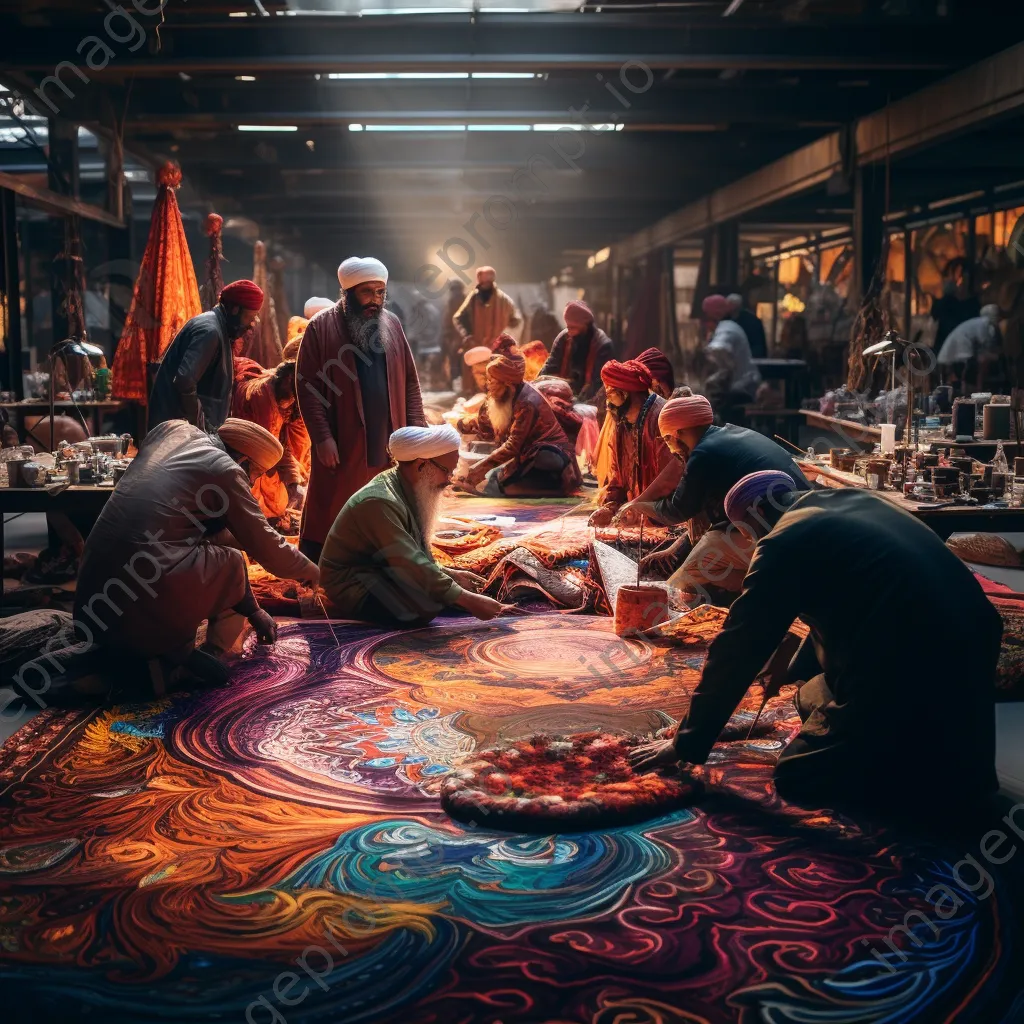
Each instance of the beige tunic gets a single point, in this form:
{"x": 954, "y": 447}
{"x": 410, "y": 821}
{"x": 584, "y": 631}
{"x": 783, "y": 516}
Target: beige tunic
{"x": 150, "y": 574}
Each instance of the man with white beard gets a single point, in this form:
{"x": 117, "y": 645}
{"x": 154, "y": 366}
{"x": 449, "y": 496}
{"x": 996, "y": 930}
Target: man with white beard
{"x": 534, "y": 456}
{"x": 376, "y": 563}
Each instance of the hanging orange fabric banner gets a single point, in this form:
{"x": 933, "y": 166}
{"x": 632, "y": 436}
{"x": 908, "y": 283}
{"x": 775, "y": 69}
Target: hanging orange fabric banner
{"x": 166, "y": 293}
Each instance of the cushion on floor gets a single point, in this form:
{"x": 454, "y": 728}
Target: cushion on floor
{"x": 563, "y": 783}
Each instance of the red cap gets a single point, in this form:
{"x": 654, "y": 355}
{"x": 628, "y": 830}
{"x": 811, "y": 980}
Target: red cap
{"x": 247, "y": 294}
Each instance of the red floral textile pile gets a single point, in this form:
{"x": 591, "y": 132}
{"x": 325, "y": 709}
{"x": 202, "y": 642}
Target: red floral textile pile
{"x": 563, "y": 782}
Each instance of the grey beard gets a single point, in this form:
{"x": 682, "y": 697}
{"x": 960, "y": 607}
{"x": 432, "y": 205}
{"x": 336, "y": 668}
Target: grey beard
{"x": 427, "y": 497}
{"x": 500, "y": 415}
{"x": 364, "y": 331}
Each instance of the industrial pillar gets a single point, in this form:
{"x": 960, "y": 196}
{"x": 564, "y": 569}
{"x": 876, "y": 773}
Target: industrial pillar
{"x": 868, "y": 226}
{"x": 10, "y": 284}
{"x": 63, "y": 179}
{"x": 726, "y": 250}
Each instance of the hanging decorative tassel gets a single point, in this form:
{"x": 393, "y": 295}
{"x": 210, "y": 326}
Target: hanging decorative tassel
{"x": 263, "y": 343}
{"x": 166, "y": 294}
{"x": 209, "y": 293}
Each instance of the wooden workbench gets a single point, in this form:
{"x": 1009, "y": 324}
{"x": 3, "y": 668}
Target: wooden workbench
{"x": 945, "y": 521}
{"x": 84, "y": 499}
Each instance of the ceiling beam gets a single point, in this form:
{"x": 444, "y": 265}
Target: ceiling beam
{"x": 310, "y": 45}
{"x": 54, "y": 202}
{"x": 991, "y": 89}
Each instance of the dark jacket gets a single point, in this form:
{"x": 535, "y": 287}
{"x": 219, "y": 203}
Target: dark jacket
{"x": 912, "y": 712}
{"x": 754, "y": 330}
{"x": 580, "y": 362}
{"x": 534, "y": 426}
{"x": 196, "y": 379}
{"x": 722, "y": 457}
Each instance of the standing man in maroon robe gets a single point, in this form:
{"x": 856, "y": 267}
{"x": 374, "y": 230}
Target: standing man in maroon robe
{"x": 356, "y": 382}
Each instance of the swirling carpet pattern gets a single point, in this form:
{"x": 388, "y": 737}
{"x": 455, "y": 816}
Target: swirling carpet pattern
{"x": 275, "y": 851}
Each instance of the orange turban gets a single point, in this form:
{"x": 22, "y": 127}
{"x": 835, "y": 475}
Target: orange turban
{"x": 661, "y": 369}
{"x": 680, "y": 413}
{"x": 510, "y": 369}
{"x": 536, "y": 355}
{"x": 504, "y": 344}
{"x": 296, "y": 327}
{"x": 629, "y": 376}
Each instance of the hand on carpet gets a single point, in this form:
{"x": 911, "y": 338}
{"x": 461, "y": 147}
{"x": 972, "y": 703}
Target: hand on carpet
{"x": 662, "y": 563}
{"x": 660, "y": 754}
{"x": 481, "y": 606}
{"x": 327, "y": 453}
{"x": 265, "y": 626}
{"x": 467, "y": 580}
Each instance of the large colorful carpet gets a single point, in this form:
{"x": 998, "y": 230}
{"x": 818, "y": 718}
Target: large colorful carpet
{"x": 276, "y": 851}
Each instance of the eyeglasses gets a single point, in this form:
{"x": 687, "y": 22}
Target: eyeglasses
{"x": 444, "y": 469}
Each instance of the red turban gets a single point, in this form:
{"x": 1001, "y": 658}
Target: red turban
{"x": 509, "y": 369}
{"x": 717, "y": 307}
{"x": 577, "y": 314}
{"x": 681, "y": 413}
{"x": 246, "y": 294}
{"x": 628, "y": 376}
{"x": 661, "y": 369}
{"x": 504, "y": 344}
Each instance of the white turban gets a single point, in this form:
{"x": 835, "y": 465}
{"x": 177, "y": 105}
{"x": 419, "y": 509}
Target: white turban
{"x": 314, "y": 305}
{"x": 358, "y": 270}
{"x": 410, "y": 443}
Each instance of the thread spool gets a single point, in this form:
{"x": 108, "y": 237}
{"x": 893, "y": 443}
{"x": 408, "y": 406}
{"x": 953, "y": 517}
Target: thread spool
{"x": 888, "y": 444}
{"x": 640, "y": 608}
{"x": 995, "y": 422}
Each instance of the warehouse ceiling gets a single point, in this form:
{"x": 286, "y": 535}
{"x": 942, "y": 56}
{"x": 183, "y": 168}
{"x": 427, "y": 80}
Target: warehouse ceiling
{"x": 519, "y": 133}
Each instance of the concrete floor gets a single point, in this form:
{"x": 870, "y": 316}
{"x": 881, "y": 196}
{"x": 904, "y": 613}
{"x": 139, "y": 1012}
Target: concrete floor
{"x": 28, "y": 533}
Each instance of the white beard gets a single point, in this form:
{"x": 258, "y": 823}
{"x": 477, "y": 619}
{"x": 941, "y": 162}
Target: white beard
{"x": 427, "y": 496}
{"x": 500, "y": 414}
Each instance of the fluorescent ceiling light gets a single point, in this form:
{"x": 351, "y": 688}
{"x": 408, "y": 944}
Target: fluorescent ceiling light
{"x": 355, "y": 127}
{"x": 408, "y": 75}
{"x": 499, "y": 128}
{"x": 505, "y": 74}
{"x": 414, "y": 10}
{"x": 268, "y": 127}
{"x": 578, "y": 127}
{"x": 415, "y": 127}
{"x": 238, "y": 14}
{"x": 245, "y": 78}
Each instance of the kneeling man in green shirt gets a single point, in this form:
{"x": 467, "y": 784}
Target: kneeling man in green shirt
{"x": 376, "y": 563}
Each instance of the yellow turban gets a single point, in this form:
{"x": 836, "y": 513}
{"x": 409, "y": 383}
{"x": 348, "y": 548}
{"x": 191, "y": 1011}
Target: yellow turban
{"x": 253, "y": 441}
